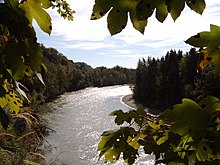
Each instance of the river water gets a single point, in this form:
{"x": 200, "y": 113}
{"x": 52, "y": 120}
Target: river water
{"x": 79, "y": 118}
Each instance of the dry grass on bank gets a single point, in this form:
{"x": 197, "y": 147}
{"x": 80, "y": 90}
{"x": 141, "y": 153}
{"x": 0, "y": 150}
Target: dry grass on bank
{"x": 19, "y": 143}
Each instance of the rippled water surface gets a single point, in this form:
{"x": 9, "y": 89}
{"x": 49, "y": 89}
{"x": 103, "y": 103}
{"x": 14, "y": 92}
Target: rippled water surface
{"x": 79, "y": 118}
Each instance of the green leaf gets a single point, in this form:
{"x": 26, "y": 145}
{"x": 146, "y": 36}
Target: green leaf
{"x": 138, "y": 24}
{"x": 145, "y": 9}
{"x": 114, "y": 142}
{"x": 140, "y": 11}
{"x": 214, "y": 42}
{"x": 162, "y": 139}
{"x": 118, "y": 16}
{"x": 210, "y": 40}
{"x": 187, "y": 117}
{"x": 199, "y": 124}
{"x": 141, "y": 111}
{"x": 129, "y": 154}
{"x": 3, "y": 102}
{"x": 106, "y": 142}
{"x": 180, "y": 110}
{"x": 103, "y": 141}
{"x": 121, "y": 117}
{"x": 139, "y": 119}
{"x": 35, "y": 55}
{"x": 13, "y": 52}
{"x": 46, "y": 4}
{"x": 216, "y": 60}
{"x": 176, "y": 8}
{"x": 192, "y": 157}
{"x": 134, "y": 142}
{"x": 149, "y": 145}
{"x": 200, "y": 40}
{"x": 196, "y": 5}
{"x": 44, "y": 67}
{"x": 202, "y": 152}
{"x": 100, "y": 8}
{"x": 107, "y": 133}
{"x": 210, "y": 104}
{"x": 34, "y": 10}
{"x": 112, "y": 155}
{"x": 117, "y": 20}
{"x": 161, "y": 11}
{"x": 155, "y": 124}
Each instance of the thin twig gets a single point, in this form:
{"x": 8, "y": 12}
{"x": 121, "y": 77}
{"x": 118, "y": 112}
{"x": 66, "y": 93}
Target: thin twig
{"x": 28, "y": 162}
{"x": 7, "y": 134}
{"x": 42, "y": 156}
{"x": 23, "y": 136}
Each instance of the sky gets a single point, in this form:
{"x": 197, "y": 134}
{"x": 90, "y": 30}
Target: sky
{"x": 85, "y": 40}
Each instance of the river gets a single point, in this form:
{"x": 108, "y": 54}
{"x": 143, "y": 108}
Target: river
{"x": 79, "y": 118}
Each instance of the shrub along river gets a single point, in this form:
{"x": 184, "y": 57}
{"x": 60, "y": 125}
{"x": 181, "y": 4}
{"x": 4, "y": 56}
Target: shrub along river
{"x": 79, "y": 118}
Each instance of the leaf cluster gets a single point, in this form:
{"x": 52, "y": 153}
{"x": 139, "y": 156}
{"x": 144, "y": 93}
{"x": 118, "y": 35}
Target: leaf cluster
{"x": 140, "y": 11}
{"x": 19, "y": 51}
{"x": 124, "y": 140}
{"x": 189, "y": 132}
{"x": 63, "y": 8}
{"x": 186, "y": 134}
{"x": 209, "y": 42}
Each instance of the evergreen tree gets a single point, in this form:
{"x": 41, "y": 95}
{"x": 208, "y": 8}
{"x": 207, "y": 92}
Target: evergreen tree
{"x": 151, "y": 81}
{"x": 139, "y": 85}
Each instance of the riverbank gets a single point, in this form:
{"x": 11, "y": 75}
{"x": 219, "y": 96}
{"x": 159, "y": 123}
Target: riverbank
{"x": 129, "y": 101}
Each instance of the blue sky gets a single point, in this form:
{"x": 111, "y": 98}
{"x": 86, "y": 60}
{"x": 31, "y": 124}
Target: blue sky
{"x": 89, "y": 41}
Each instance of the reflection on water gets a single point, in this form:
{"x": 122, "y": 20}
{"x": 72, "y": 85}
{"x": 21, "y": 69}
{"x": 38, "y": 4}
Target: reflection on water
{"x": 79, "y": 118}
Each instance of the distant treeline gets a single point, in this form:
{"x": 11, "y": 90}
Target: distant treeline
{"x": 64, "y": 75}
{"x": 161, "y": 83}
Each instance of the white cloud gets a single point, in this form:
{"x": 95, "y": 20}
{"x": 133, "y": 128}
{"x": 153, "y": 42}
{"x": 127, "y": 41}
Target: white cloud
{"x": 84, "y": 29}
{"x": 83, "y": 34}
{"x": 188, "y": 24}
{"x": 85, "y": 45}
{"x": 81, "y": 28}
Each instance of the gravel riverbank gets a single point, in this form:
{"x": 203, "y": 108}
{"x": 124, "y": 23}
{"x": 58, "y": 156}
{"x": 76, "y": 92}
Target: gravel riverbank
{"x": 128, "y": 100}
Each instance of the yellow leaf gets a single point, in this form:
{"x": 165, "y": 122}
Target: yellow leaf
{"x": 204, "y": 53}
{"x": 5, "y": 85}
{"x": 28, "y": 71}
{"x": 203, "y": 64}
{"x": 162, "y": 139}
{"x": 218, "y": 127}
{"x": 3, "y": 102}
{"x": 134, "y": 143}
{"x": 217, "y": 113}
{"x": 34, "y": 10}
{"x": 204, "y": 59}
{"x": 14, "y": 101}
{"x": 156, "y": 124}
{"x": 112, "y": 155}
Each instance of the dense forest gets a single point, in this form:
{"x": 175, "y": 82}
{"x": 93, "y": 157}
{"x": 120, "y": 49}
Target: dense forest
{"x": 187, "y": 133}
{"x": 161, "y": 83}
{"x": 63, "y": 75}
{"x": 157, "y": 83}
